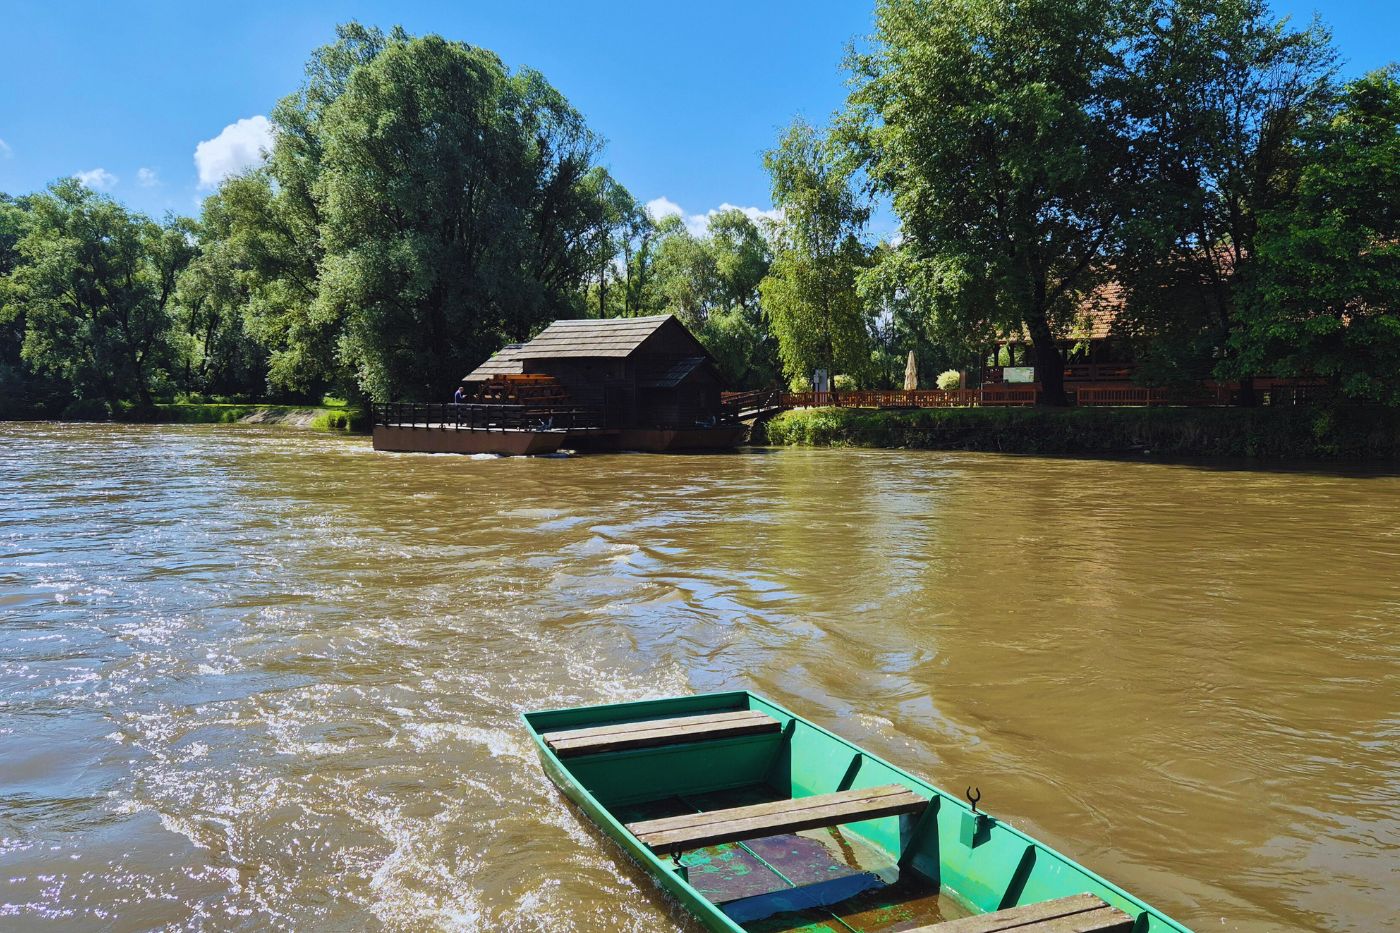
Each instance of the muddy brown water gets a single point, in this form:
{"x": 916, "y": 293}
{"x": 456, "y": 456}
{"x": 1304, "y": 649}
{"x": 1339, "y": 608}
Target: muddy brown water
{"x": 256, "y": 679}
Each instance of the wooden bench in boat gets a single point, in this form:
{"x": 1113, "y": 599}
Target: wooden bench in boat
{"x": 695, "y": 830}
{"x": 656, "y": 732}
{"x": 1082, "y": 913}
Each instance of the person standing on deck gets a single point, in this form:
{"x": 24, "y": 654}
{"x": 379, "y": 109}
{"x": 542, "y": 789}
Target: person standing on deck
{"x": 459, "y": 396}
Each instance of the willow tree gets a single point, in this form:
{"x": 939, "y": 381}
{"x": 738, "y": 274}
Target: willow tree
{"x": 94, "y": 282}
{"x": 996, "y": 128}
{"x": 421, "y": 205}
{"x": 810, "y": 293}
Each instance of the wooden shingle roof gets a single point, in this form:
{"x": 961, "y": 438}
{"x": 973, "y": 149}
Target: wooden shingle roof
{"x": 506, "y": 362}
{"x": 593, "y": 337}
{"x": 667, "y": 372}
{"x": 581, "y": 338}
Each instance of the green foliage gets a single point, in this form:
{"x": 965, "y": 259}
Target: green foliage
{"x": 86, "y": 409}
{"x": 949, "y": 379}
{"x": 1222, "y": 89}
{"x": 93, "y": 283}
{"x": 1325, "y": 296}
{"x": 810, "y": 294}
{"x": 995, "y": 127}
{"x": 458, "y": 205}
{"x": 1269, "y": 433}
{"x": 215, "y": 350}
{"x": 340, "y": 420}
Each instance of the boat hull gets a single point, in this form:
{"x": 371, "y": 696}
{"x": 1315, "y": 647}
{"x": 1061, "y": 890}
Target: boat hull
{"x": 451, "y": 440}
{"x": 976, "y": 862}
{"x": 711, "y": 918}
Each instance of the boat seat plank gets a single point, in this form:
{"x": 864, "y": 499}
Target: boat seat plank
{"x": 1082, "y": 913}
{"x": 695, "y": 830}
{"x": 657, "y": 732}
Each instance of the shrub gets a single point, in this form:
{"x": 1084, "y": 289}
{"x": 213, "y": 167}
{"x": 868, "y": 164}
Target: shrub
{"x": 949, "y": 380}
{"x": 87, "y": 409}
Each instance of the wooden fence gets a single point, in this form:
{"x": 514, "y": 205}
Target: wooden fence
{"x": 913, "y": 398}
{"x": 1119, "y": 395}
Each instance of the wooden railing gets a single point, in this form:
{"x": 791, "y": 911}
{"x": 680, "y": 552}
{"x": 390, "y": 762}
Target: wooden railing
{"x": 1078, "y": 372}
{"x": 1006, "y": 396}
{"x": 1119, "y": 395}
{"x": 485, "y": 416}
{"x": 1099, "y": 372}
{"x": 913, "y": 398}
{"x": 754, "y": 400}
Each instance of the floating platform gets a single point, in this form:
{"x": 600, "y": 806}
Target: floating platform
{"x": 450, "y": 439}
{"x": 514, "y": 429}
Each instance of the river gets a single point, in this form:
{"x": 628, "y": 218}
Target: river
{"x": 257, "y": 678}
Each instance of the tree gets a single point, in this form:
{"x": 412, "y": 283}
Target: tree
{"x": 738, "y": 330}
{"x": 277, "y": 223}
{"x": 1324, "y": 297}
{"x": 460, "y": 206}
{"x": 996, "y": 128}
{"x": 686, "y": 274}
{"x": 810, "y": 293}
{"x": 94, "y": 283}
{"x": 215, "y": 352}
{"x": 1221, "y": 90}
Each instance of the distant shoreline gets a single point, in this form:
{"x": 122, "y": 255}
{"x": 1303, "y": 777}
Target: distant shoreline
{"x": 336, "y": 420}
{"x": 1370, "y": 435}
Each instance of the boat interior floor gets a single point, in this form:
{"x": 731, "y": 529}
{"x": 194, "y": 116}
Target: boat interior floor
{"x": 810, "y": 880}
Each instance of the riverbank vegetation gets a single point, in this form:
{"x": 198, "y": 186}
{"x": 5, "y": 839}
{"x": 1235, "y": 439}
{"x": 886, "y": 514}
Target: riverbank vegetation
{"x": 1291, "y": 433}
{"x": 339, "y": 418}
{"x": 423, "y": 204}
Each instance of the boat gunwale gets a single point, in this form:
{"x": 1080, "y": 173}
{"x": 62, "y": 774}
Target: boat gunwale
{"x": 1139, "y": 909}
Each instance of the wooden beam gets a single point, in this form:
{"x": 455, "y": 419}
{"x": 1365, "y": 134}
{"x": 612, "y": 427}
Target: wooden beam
{"x": 657, "y": 732}
{"x": 695, "y": 830}
{"x": 1082, "y": 913}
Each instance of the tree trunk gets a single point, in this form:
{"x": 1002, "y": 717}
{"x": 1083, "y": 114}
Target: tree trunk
{"x": 1248, "y": 397}
{"x": 1049, "y": 363}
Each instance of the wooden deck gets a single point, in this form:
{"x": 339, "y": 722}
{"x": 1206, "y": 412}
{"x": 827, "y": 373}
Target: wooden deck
{"x": 695, "y": 830}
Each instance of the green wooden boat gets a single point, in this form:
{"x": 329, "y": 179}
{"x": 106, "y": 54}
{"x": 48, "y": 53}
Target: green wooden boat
{"x": 757, "y": 820}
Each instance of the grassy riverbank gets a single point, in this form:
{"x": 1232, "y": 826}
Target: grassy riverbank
{"x": 1266, "y": 433}
{"x": 331, "y": 415}
{"x": 339, "y": 418}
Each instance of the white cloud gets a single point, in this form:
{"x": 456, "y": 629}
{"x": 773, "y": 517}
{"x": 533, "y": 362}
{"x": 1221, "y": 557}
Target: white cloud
{"x": 5, "y": 149}
{"x": 699, "y": 224}
{"x": 657, "y": 208}
{"x": 147, "y": 177}
{"x": 98, "y": 179}
{"x": 238, "y": 146}
{"x": 756, "y": 214}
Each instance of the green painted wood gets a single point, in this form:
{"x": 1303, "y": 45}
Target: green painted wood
{"x": 999, "y": 868}
{"x": 1081, "y": 913}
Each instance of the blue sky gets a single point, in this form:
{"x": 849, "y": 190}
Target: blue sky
{"x": 687, "y": 95}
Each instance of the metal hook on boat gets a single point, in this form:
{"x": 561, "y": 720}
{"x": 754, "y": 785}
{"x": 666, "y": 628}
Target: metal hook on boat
{"x": 973, "y": 800}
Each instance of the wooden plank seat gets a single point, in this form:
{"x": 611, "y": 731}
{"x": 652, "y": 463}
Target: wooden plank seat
{"x": 695, "y": 830}
{"x": 656, "y": 732}
{"x": 1082, "y": 913}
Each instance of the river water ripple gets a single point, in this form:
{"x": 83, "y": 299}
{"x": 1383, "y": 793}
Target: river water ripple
{"x": 257, "y": 679}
